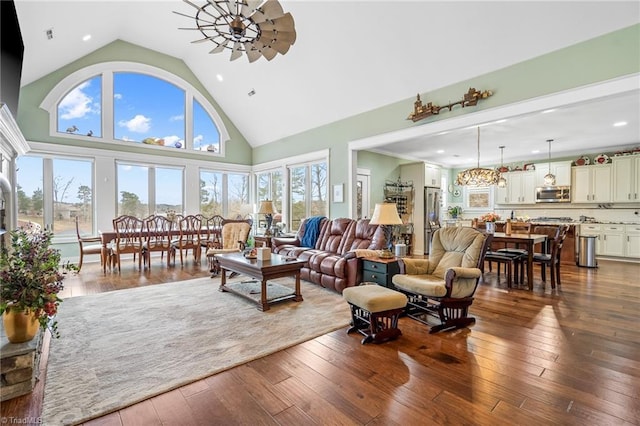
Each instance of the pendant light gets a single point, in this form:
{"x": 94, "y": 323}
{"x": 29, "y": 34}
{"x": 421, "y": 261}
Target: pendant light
{"x": 549, "y": 178}
{"x": 502, "y": 182}
{"x": 477, "y": 176}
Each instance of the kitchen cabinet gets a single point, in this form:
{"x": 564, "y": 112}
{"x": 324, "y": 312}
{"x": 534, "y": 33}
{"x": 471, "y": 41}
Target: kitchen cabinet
{"x": 432, "y": 176}
{"x": 632, "y": 241}
{"x": 626, "y": 179}
{"x": 612, "y": 242}
{"x": 561, "y": 169}
{"x": 520, "y": 189}
{"x": 591, "y": 184}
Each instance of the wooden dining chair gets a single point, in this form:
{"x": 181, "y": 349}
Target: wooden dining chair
{"x": 128, "y": 238}
{"x": 552, "y": 259}
{"x": 188, "y": 238}
{"x": 157, "y": 238}
{"x": 88, "y": 245}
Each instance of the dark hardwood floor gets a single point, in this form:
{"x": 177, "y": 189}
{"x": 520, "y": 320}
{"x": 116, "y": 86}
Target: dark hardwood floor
{"x": 566, "y": 356}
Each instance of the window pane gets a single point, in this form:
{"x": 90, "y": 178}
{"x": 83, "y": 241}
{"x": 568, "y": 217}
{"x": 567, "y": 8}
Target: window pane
{"x": 238, "y": 195}
{"x": 133, "y": 190}
{"x": 318, "y": 189}
{"x": 263, "y": 186}
{"x": 79, "y": 112}
{"x": 29, "y": 188}
{"x": 276, "y": 188}
{"x": 205, "y": 133}
{"x": 211, "y": 193}
{"x": 169, "y": 190}
{"x": 72, "y": 196}
{"x": 148, "y": 110}
{"x": 298, "y": 200}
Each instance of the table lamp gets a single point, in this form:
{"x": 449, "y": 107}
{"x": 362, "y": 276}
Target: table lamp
{"x": 267, "y": 209}
{"x": 386, "y": 214}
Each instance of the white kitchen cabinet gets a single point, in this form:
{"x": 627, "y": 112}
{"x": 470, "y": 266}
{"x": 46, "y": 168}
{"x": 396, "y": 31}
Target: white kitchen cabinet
{"x": 432, "y": 175}
{"x": 520, "y": 189}
{"x": 561, "y": 169}
{"x": 612, "y": 242}
{"x": 591, "y": 184}
{"x": 632, "y": 243}
{"x": 626, "y": 179}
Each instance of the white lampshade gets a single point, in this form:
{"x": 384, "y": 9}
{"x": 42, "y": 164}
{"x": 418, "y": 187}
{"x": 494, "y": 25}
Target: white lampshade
{"x": 385, "y": 214}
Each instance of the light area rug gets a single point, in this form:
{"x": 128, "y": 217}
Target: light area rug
{"x": 121, "y": 347}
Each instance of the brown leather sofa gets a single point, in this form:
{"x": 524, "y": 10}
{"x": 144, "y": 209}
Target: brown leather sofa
{"x": 332, "y": 262}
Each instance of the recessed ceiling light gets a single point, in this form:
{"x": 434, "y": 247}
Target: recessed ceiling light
{"x": 86, "y": 37}
{"x": 620, "y": 124}
{"x": 219, "y": 77}
{"x": 535, "y": 151}
{"x": 440, "y": 151}
{"x": 547, "y": 111}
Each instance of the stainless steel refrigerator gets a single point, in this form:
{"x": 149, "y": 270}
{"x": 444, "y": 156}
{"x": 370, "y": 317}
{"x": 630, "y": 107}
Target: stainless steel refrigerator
{"x": 432, "y": 199}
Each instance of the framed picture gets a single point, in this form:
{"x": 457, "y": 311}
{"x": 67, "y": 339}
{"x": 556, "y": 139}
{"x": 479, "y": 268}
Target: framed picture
{"x": 338, "y": 196}
{"x": 478, "y": 198}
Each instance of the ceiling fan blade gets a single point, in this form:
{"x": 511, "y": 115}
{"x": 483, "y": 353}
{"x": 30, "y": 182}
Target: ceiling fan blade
{"x": 220, "y": 47}
{"x": 284, "y": 23}
{"x": 249, "y": 7}
{"x": 281, "y": 47}
{"x": 269, "y": 53}
{"x": 271, "y": 9}
{"x": 237, "y": 51}
{"x": 252, "y": 52}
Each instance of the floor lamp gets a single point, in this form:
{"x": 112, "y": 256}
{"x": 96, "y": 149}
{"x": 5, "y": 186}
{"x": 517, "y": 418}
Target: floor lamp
{"x": 386, "y": 215}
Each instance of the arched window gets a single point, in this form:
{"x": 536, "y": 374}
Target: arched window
{"x": 124, "y": 103}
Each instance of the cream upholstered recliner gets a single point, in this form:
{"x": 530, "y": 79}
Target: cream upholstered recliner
{"x": 443, "y": 285}
{"x": 233, "y": 236}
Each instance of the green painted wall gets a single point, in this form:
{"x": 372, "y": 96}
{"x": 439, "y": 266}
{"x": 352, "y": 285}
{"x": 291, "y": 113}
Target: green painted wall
{"x": 610, "y": 56}
{"x": 34, "y": 121}
{"x": 383, "y": 168}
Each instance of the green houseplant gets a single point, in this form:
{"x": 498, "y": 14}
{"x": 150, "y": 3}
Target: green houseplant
{"x": 30, "y": 280}
{"x": 454, "y": 211}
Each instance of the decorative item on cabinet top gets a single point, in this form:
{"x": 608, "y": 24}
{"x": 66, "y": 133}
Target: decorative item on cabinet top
{"x": 582, "y": 161}
{"x": 602, "y": 159}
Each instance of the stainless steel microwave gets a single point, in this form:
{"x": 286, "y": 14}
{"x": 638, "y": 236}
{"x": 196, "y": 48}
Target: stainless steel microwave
{"x": 553, "y": 194}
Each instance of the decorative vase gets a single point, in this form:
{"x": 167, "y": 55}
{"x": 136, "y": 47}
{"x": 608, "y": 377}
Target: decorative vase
{"x": 20, "y": 326}
{"x": 490, "y": 227}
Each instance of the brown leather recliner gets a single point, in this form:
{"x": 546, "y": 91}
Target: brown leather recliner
{"x": 332, "y": 262}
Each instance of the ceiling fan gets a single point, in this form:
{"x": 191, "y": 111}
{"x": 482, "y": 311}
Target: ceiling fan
{"x": 255, "y": 27}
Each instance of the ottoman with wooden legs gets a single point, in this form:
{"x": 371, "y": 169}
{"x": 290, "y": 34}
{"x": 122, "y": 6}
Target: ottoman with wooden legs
{"x": 375, "y": 311}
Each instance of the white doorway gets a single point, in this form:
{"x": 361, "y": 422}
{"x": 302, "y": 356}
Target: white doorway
{"x": 363, "y": 206}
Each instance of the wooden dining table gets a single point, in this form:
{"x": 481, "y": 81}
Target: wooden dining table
{"x": 529, "y": 241}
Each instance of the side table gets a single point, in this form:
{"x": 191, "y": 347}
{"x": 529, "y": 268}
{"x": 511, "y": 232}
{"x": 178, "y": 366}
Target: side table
{"x": 379, "y": 270}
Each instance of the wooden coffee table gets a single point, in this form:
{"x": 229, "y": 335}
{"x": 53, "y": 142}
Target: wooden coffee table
{"x": 262, "y": 270}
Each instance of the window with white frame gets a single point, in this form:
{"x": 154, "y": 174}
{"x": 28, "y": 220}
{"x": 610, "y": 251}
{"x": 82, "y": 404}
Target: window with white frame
{"x": 53, "y": 191}
{"x": 308, "y": 192}
{"x": 146, "y": 189}
{"x": 123, "y": 102}
{"x": 224, "y": 193}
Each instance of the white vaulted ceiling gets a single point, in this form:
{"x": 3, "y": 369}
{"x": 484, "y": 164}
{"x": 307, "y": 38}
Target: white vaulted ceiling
{"x": 355, "y": 56}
